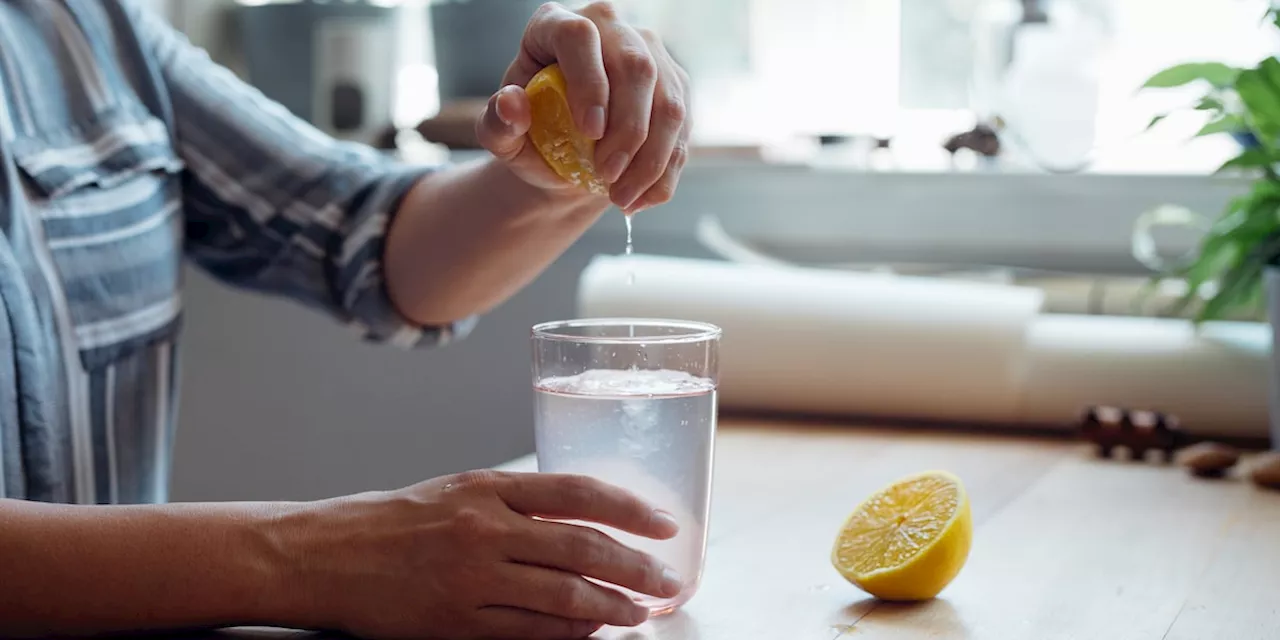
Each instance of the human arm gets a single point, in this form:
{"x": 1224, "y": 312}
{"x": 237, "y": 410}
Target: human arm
{"x": 74, "y": 570}
{"x": 276, "y": 206}
{"x": 495, "y": 225}
{"x": 456, "y": 557}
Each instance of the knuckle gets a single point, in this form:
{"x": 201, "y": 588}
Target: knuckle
{"x": 680, "y": 156}
{"x": 638, "y": 65}
{"x": 652, "y": 170}
{"x": 649, "y": 573}
{"x": 632, "y": 134}
{"x": 547, "y": 9}
{"x": 569, "y": 598}
{"x": 591, "y": 549}
{"x": 578, "y": 30}
{"x": 581, "y": 492}
{"x": 672, "y": 108}
{"x": 603, "y": 9}
{"x": 650, "y": 36}
{"x": 662, "y": 193}
{"x": 473, "y": 480}
{"x": 470, "y": 524}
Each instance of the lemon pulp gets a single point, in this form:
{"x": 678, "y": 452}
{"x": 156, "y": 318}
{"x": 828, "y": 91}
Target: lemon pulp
{"x": 909, "y": 540}
{"x": 569, "y": 153}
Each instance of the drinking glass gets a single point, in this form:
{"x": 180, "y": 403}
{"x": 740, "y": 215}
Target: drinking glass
{"x": 632, "y": 402}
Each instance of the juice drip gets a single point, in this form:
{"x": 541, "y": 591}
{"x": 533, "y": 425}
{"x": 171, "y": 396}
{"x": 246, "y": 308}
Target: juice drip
{"x": 631, "y": 271}
{"x": 631, "y": 267}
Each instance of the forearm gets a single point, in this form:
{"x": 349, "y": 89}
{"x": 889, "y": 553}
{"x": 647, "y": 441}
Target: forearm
{"x": 466, "y": 239}
{"x": 75, "y": 570}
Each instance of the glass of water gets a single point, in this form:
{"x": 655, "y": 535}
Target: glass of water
{"x": 632, "y": 402}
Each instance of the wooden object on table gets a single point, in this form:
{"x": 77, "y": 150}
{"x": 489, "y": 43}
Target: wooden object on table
{"x": 455, "y": 125}
{"x": 1140, "y": 432}
{"x": 1066, "y": 546}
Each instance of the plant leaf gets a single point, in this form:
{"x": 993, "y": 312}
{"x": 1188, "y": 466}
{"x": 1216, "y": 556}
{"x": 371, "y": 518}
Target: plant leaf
{"x": 1259, "y": 90}
{"x": 1155, "y": 121}
{"x": 1252, "y": 158}
{"x": 1224, "y": 124}
{"x": 1210, "y": 103}
{"x": 1215, "y": 73}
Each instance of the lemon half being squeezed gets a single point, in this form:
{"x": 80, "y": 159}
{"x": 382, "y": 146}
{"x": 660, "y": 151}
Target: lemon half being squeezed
{"x": 909, "y": 540}
{"x": 569, "y": 153}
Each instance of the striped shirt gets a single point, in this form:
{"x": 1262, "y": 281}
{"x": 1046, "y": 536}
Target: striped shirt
{"x": 123, "y": 149}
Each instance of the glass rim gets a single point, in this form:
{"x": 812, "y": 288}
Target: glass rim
{"x": 697, "y": 331}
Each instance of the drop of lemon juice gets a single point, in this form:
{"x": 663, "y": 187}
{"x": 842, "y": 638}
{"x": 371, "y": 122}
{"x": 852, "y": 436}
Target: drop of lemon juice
{"x": 631, "y": 265}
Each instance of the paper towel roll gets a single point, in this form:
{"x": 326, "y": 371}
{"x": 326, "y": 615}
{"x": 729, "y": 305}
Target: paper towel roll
{"x": 1214, "y": 380}
{"x": 833, "y": 342}
{"x": 811, "y": 340}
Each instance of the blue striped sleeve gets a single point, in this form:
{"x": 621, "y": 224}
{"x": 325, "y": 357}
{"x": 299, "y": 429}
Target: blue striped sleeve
{"x": 273, "y": 205}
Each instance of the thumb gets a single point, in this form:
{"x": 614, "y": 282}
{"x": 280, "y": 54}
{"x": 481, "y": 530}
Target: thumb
{"x": 506, "y": 120}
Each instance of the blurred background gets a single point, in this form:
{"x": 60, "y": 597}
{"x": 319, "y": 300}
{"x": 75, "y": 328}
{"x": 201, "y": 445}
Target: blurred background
{"x": 1002, "y": 140}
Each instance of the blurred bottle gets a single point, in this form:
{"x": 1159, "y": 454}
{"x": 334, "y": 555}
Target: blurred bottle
{"x": 1037, "y": 76}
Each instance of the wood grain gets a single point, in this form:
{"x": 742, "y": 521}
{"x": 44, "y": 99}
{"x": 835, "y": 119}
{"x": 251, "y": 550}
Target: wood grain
{"x": 1066, "y": 546}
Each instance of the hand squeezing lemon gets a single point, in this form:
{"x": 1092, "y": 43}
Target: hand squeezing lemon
{"x": 909, "y": 540}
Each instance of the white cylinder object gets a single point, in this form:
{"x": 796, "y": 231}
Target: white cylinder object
{"x": 816, "y": 341}
{"x": 820, "y": 341}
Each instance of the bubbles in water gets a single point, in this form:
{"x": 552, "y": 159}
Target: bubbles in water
{"x": 627, "y": 383}
{"x": 639, "y": 420}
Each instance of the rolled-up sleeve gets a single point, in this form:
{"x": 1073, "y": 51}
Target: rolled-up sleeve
{"x": 276, "y": 206}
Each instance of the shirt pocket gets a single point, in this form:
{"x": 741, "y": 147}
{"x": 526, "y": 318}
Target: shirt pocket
{"x": 106, "y": 196}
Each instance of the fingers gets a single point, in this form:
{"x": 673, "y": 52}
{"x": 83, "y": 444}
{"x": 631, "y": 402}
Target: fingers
{"x": 565, "y": 595}
{"x": 633, "y": 75}
{"x": 506, "y": 120}
{"x": 508, "y": 622}
{"x": 591, "y": 553}
{"x": 570, "y": 497}
{"x": 555, "y": 34}
{"x": 665, "y": 188}
{"x": 662, "y": 157}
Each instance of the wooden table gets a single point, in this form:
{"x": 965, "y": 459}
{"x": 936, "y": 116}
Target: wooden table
{"x": 1066, "y": 546}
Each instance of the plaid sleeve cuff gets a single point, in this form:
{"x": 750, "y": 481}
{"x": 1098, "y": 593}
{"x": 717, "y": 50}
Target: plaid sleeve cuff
{"x": 365, "y": 299}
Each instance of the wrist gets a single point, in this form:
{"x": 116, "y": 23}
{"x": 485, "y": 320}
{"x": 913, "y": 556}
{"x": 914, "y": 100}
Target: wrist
{"x": 268, "y": 544}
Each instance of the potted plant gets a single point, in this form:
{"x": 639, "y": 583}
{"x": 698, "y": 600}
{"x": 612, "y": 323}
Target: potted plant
{"x": 1237, "y": 263}
{"x": 1228, "y": 268}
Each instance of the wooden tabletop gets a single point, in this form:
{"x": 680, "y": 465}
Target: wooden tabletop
{"x": 1066, "y": 546}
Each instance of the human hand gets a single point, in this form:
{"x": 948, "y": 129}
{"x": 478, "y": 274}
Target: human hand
{"x": 624, "y": 90}
{"x": 464, "y": 557}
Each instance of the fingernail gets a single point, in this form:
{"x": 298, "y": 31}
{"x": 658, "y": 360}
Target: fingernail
{"x": 593, "y": 124}
{"x": 613, "y": 167}
{"x": 671, "y": 582}
{"x": 497, "y": 106}
{"x": 665, "y": 521}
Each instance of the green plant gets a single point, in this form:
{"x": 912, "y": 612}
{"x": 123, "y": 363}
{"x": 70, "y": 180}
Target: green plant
{"x": 1226, "y": 271}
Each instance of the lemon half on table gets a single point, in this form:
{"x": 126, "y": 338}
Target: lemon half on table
{"x": 569, "y": 153}
{"x": 909, "y": 540}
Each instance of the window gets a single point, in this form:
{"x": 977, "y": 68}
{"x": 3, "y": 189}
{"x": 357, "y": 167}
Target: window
{"x": 917, "y": 70}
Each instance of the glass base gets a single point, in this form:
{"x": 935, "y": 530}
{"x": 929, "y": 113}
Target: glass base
{"x": 663, "y": 606}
